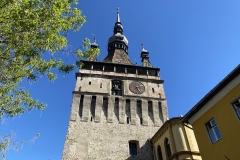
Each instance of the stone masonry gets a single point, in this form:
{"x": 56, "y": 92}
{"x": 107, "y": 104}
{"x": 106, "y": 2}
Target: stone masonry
{"x": 102, "y": 132}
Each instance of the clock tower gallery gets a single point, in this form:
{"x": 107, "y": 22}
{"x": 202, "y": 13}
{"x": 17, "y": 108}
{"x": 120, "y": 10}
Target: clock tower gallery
{"x": 117, "y": 106}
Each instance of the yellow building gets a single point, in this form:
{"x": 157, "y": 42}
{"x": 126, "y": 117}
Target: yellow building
{"x": 215, "y": 120}
{"x": 175, "y": 141}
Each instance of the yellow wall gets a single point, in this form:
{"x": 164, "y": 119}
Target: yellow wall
{"x": 160, "y": 142}
{"x": 193, "y": 146}
{"x": 228, "y": 125}
{"x": 181, "y": 139}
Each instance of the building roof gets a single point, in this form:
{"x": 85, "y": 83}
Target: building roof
{"x": 168, "y": 122}
{"x": 118, "y": 56}
{"x": 234, "y": 73}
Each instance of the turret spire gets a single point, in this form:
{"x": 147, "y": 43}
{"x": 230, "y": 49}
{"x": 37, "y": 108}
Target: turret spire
{"x": 142, "y": 46}
{"x": 93, "y": 45}
{"x": 145, "y": 58}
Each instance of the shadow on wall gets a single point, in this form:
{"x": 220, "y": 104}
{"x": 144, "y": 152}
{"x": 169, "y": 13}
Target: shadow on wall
{"x": 144, "y": 153}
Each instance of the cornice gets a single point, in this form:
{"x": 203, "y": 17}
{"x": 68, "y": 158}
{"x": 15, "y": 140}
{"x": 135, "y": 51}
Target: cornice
{"x": 215, "y": 99}
{"x": 183, "y": 153}
{"x": 210, "y": 95}
{"x": 158, "y": 81}
{"x": 125, "y": 96}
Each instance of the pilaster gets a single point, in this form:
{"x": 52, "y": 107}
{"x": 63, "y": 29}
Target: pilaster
{"x": 111, "y": 104}
{"x": 121, "y": 110}
{"x": 156, "y": 118}
{"x": 164, "y": 110}
{"x": 75, "y": 107}
{"x": 145, "y": 112}
{"x": 133, "y": 107}
{"x": 98, "y": 109}
{"x": 86, "y": 107}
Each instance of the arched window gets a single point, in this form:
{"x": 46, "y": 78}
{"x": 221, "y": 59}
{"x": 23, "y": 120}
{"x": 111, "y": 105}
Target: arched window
{"x": 159, "y": 152}
{"x": 167, "y": 148}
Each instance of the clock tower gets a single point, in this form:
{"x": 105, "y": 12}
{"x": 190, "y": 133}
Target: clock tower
{"x": 117, "y": 106}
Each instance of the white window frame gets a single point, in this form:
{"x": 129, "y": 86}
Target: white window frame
{"x": 212, "y": 129}
{"x": 236, "y": 109}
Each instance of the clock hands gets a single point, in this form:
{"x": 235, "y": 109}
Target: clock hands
{"x": 136, "y": 87}
{"x": 139, "y": 87}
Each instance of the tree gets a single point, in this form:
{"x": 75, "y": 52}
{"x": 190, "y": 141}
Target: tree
{"x": 30, "y": 29}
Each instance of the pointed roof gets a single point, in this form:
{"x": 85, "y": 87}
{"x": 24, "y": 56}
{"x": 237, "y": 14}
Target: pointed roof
{"x": 145, "y": 57}
{"x": 118, "y": 45}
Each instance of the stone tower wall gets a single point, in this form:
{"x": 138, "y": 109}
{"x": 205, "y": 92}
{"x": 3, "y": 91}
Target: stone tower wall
{"x": 101, "y": 125}
{"x": 106, "y": 134}
{"x": 97, "y": 84}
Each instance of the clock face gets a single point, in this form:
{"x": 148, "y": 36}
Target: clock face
{"x": 136, "y": 87}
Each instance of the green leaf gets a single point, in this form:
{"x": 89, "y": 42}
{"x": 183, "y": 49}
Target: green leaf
{"x": 30, "y": 31}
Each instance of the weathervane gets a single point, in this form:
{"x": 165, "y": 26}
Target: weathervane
{"x": 95, "y": 40}
{"x": 142, "y": 46}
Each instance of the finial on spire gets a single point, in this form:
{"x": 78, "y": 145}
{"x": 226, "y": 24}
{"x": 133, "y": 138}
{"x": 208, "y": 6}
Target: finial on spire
{"x": 94, "y": 44}
{"x": 142, "y": 46}
{"x": 118, "y": 16}
{"x": 94, "y": 38}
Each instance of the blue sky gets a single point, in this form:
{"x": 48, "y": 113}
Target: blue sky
{"x": 194, "y": 43}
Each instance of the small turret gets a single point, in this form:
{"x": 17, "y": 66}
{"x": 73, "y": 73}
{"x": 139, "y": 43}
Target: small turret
{"x": 145, "y": 58}
{"x": 93, "y": 45}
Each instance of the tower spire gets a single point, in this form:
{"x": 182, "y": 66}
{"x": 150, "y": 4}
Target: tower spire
{"x": 118, "y": 28}
{"x": 118, "y": 16}
{"x": 118, "y": 45}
